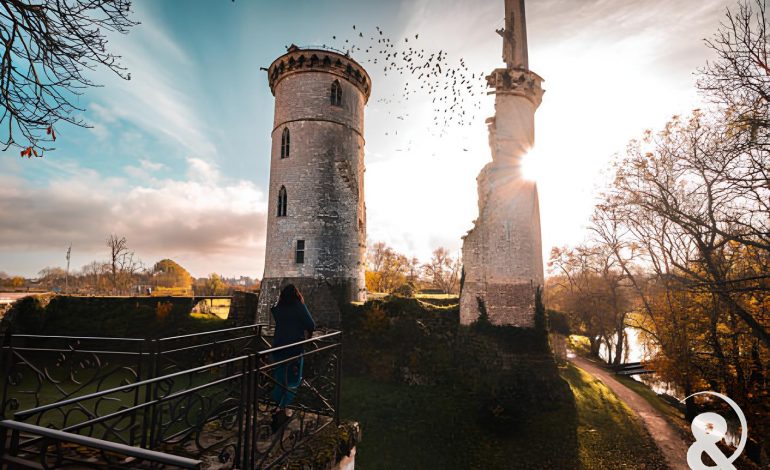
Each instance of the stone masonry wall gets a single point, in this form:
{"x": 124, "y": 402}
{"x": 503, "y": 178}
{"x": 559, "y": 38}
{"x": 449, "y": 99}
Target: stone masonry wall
{"x": 502, "y": 254}
{"x": 323, "y": 176}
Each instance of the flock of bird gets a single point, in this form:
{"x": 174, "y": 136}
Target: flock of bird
{"x": 454, "y": 90}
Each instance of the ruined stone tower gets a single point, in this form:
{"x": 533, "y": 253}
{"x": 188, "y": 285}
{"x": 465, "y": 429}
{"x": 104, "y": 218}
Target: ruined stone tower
{"x": 502, "y": 254}
{"x": 316, "y": 226}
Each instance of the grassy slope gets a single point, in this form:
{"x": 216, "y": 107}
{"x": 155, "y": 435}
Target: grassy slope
{"x": 427, "y": 427}
{"x": 609, "y": 434}
{"x": 672, "y": 414}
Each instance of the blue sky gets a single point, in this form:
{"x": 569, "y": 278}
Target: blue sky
{"x": 177, "y": 160}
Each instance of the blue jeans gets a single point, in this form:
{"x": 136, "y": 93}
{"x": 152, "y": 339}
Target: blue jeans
{"x": 288, "y": 377}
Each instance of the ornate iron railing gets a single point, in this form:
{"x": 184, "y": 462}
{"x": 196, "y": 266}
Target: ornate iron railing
{"x": 39, "y": 370}
{"x": 218, "y": 410}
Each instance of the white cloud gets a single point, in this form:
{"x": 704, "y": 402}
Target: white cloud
{"x": 206, "y": 224}
{"x": 160, "y": 96}
{"x": 612, "y": 68}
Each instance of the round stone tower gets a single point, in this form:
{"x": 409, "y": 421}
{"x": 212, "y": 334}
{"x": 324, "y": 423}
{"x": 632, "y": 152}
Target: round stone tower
{"x": 316, "y": 226}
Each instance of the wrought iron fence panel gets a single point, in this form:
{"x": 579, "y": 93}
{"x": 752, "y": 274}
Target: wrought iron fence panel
{"x": 44, "y": 369}
{"x": 186, "y": 351}
{"x": 312, "y": 410}
{"x": 221, "y": 408}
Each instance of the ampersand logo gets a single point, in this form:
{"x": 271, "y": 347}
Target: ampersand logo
{"x": 710, "y": 428}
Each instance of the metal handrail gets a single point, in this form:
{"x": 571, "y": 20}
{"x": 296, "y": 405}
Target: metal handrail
{"x": 131, "y": 451}
{"x": 100, "y": 338}
{"x": 197, "y": 346}
{"x": 142, "y": 383}
{"x": 86, "y": 351}
{"x": 299, "y": 343}
{"x": 192, "y": 335}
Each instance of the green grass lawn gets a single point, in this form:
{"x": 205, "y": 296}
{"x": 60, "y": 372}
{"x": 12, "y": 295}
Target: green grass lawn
{"x": 423, "y": 427}
{"x": 609, "y": 434}
{"x": 431, "y": 427}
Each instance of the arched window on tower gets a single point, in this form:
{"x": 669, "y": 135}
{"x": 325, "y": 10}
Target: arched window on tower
{"x": 285, "y": 143}
{"x": 336, "y": 93}
{"x": 282, "y": 202}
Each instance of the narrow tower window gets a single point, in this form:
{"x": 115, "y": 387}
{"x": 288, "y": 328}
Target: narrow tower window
{"x": 300, "y": 255}
{"x": 282, "y": 202}
{"x": 336, "y": 93}
{"x": 285, "y": 143}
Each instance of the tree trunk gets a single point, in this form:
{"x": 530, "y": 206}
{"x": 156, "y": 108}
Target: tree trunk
{"x": 595, "y": 343}
{"x": 620, "y": 333}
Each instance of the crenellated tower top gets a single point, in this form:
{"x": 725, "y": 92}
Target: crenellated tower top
{"x": 318, "y": 59}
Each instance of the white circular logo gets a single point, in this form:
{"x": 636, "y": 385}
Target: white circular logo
{"x": 710, "y": 428}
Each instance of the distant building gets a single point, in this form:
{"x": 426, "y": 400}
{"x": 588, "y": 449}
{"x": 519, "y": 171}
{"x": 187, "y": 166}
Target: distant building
{"x": 502, "y": 254}
{"x": 316, "y": 227}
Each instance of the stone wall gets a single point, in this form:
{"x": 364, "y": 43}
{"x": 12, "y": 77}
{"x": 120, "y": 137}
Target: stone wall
{"x": 322, "y": 297}
{"x": 323, "y": 177}
{"x": 243, "y": 308}
{"x": 502, "y": 254}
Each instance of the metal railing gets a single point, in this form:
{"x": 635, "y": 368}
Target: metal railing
{"x": 45, "y": 369}
{"x": 220, "y": 409}
{"x": 111, "y": 455}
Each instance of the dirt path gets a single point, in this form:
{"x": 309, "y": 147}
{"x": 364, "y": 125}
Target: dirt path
{"x": 673, "y": 447}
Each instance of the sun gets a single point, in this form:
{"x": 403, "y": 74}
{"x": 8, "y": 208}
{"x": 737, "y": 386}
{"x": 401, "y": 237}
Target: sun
{"x": 532, "y": 166}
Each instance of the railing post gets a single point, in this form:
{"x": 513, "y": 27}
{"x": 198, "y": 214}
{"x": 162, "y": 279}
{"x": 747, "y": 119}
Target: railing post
{"x": 254, "y": 384}
{"x": 3, "y": 442}
{"x": 148, "y": 415}
{"x": 338, "y": 385}
{"x": 243, "y": 408}
{"x": 7, "y": 357}
{"x": 153, "y": 391}
{"x": 147, "y": 350}
{"x": 14, "y": 444}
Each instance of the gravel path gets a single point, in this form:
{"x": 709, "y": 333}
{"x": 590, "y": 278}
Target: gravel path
{"x": 672, "y": 446}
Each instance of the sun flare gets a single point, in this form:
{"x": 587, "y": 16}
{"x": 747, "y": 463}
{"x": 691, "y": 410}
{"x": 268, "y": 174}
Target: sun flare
{"x": 532, "y": 166}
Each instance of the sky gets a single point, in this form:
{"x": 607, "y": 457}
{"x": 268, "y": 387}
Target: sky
{"x": 177, "y": 158}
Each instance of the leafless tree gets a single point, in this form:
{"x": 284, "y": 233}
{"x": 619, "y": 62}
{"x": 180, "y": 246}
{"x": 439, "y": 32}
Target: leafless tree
{"x": 740, "y": 75}
{"x": 48, "y": 47}
{"x": 443, "y": 271}
{"x": 677, "y": 193}
{"x": 122, "y": 263}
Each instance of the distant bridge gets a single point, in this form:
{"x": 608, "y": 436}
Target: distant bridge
{"x": 631, "y": 368}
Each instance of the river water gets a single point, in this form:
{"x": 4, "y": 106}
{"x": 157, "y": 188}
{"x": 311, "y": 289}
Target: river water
{"x": 638, "y": 352}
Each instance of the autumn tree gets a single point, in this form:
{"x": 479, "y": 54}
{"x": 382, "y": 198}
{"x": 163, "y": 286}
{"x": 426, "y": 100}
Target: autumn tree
{"x": 168, "y": 273}
{"x": 49, "y": 45}
{"x": 682, "y": 180}
{"x": 588, "y": 285}
{"x": 443, "y": 271}
{"x": 51, "y": 277}
{"x": 387, "y": 268}
{"x": 94, "y": 276}
{"x": 214, "y": 284}
{"x": 17, "y": 282}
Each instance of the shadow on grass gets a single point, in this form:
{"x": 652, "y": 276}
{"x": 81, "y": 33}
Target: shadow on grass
{"x": 425, "y": 427}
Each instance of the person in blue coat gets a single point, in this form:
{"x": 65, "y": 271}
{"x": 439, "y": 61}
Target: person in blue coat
{"x": 293, "y": 323}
